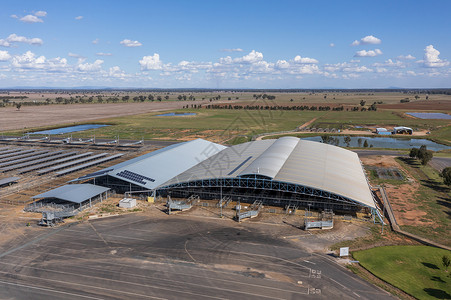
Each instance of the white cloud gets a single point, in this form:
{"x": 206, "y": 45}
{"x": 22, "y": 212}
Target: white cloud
{"x": 14, "y": 17}
{"x": 232, "y": 50}
{"x": 116, "y": 72}
{"x": 151, "y": 62}
{"x": 369, "y": 53}
{"x": 390, "y": 63}
{"x": 14, "y": 38}
{"x": 103, "y": 54}
{"x": 305, "y": 60}
{"x": 431, "y": 59}
{"x": 4, "y": 43}
{"x": 87, "y": 67}
{"x": 95, "y": 42}
{"x": 331, "y": 45}
{"x": 357, "y": 69}
{"x": 29, "y": 60}
{"x": 367, "y": 40}
{"x": 40, "y": 13}
{"x": 130, "y": 43}
{"x": 282, "y": 64}
{"x": 75, "y": 55}
{"x": 252, "y": 57}
{"x": 79, "y": 18}
{"x": 4, "y": 55}
{"x": 406, "y": 57}
{"x": 31, "y": 19}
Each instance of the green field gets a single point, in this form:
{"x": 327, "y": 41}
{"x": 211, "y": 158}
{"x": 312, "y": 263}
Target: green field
{"x": 215, "y": 125}
{"x": 417, "y": 270}
{"x": 432, "y": 197}
{"x": 235, "y": 126}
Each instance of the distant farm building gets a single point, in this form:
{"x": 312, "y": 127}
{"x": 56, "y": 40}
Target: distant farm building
{"x": 283, "y": 172}
{"x": 402, "y": 130}
{"x": 383, "y": 131}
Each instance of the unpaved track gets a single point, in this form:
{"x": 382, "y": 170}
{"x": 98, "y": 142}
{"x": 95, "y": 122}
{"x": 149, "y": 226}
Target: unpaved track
{"x": 36, "y": 116}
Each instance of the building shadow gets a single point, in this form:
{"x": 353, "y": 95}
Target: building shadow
{"x": 438, "y": 279}
{"x": 436, "y": 293}
{"x": 430, "y": 266}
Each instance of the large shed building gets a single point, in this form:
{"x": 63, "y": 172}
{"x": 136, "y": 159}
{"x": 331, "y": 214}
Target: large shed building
{"x": 286, "y": 171}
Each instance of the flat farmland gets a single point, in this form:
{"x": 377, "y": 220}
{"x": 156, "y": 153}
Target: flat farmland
{"x": 51, "y": 115}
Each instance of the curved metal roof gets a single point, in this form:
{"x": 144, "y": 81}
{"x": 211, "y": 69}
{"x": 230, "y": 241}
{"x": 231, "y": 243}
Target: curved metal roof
{"x": 307, "y": 163}
{"x": 272, "y": 159}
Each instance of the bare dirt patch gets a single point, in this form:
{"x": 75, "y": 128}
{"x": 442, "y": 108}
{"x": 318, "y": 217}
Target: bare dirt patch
{"x": 37, "y": 116}
{"x": 402, "y": 196}
{"x": 420, "y": 105}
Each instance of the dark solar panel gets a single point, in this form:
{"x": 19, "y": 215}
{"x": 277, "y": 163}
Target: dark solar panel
{"x": 240, "y": 165}
{"x": 134, "y": 177}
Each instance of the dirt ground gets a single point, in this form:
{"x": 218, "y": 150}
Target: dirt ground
{"x": 36, "y": 116}
{"x": 420, "y": 105}
{"x": 401, "y": 196}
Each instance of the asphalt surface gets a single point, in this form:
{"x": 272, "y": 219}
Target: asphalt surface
{"x": 171, "y": 257}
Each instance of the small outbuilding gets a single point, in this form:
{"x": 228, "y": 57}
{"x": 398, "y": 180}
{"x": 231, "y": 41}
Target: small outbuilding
{"x": 382, "y": 131}
{"x": 402, "y": 130}
{"x": 81, "y": 194}
{"x": 127, "y": 203}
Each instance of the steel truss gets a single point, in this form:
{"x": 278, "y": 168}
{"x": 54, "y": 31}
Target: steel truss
{"x": 285, "y": 191}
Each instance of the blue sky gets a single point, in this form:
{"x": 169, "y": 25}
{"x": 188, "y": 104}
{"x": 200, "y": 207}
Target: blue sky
{"x": 226, "y": 44}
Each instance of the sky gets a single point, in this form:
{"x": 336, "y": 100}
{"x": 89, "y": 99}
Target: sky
{"x": 225, "y": 44}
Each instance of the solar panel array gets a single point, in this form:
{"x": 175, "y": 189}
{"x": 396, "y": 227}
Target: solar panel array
{"x": 87, "y": 165}
{"x": 33, "y": 156}
{"x": 71, "y": 163}
{"x": 134, "y": 177}
{"x": 38, "y": 160}
{"x": 54, "y": 162}
{"x": 15, "y": 153}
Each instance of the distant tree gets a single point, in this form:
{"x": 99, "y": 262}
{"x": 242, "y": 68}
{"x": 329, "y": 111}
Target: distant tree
{"x": 359, "y": 141}
{"x": 413, "y": 152}
{"x": 424, "y": 155}
{"x": 445, "y": 262}
{"x": 18, "y": 106}
{"x": 180, "y": 97}
{"x": 427, "y": 97}
{"x": 416, "y": 97}
{"x": 446, "y": 174}
{"x": 159, "y": 98}
{"x": 347, "y": 140}
{"x": 362, "y": 102}
{"x": 166, "y": 97}
{"x": 326, "y": 139}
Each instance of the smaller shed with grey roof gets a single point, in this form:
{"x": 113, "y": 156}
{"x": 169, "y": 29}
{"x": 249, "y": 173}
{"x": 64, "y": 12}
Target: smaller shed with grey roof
{"x": 75, "y": 193}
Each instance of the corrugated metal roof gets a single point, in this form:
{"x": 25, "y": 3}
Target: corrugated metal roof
{"x": 271, "y": 161}
{"x": 317, "y": 165}
{"x": 76, "y": 193}
{"x": 155, "y": 168}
